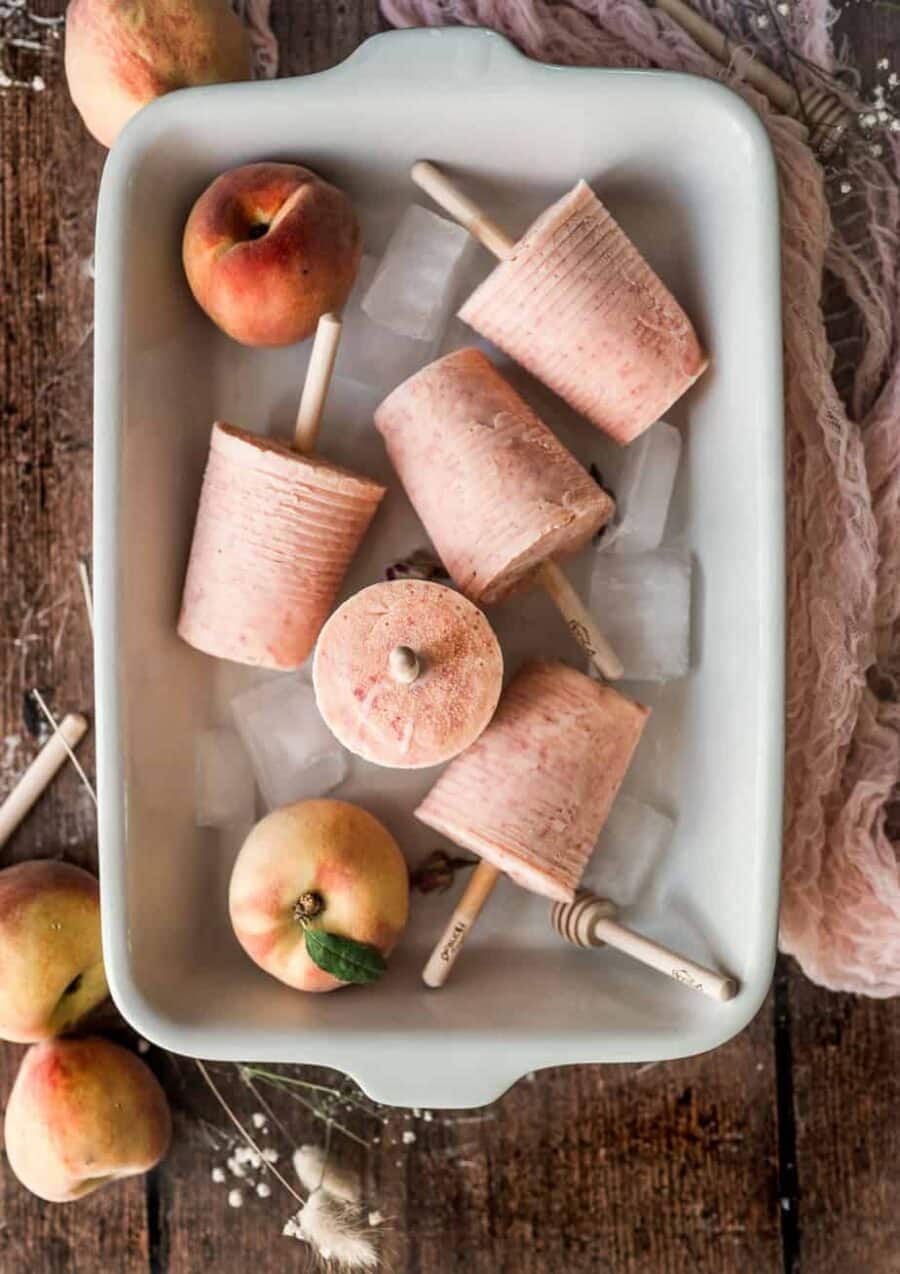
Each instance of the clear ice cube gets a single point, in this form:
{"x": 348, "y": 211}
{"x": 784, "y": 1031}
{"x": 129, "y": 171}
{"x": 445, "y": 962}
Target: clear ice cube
{"x": 293, "y": 753}
{"x": 372, "y": 354}
{"x": 413, "y": 289}
{"x": 644, "y": 491}
{"x": 348, "y": 433}
{"x": 224, "y": 794}
{"x": 632, "y": 842}
{"x": 642, "y": 603}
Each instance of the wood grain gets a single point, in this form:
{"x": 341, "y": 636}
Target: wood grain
{"x": 50, "y": 171}
{"x": 669, "y": 1169}
{"x": 647, "y": 1169}
{"x": 847, "y": 1104}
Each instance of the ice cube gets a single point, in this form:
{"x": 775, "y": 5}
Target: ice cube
{"x": 293, "y": 753}
{"x": 224, "y": 795}
{"x": 348, "y": 427}
{"x": 371, "y": 353}
{"x": 413, "y": 289}
{"x": 642, "y": 603}
{"x": 644, "y": 491}
{"x": 632, "y": 842}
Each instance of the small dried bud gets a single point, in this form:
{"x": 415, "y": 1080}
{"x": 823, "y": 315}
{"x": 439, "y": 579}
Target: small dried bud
{"x": 419, "y": 565}
{"x": 437, "y": 872}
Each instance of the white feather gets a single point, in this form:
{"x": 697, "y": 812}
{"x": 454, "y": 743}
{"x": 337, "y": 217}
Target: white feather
{"x": 311, "y": 1167}
{"x": 336, "y": 1230}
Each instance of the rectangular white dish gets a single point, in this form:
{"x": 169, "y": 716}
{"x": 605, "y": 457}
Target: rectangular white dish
{"x": 687, "y": 168}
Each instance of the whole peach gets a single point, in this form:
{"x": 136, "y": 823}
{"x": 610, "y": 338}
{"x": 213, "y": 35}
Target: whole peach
{"x": 51, "y": 965}
{"x": 328, "y": 853}
{"x": 268, "y": 249}
{"x": 83, "y": 1113}
{"x": 121, "y": 54}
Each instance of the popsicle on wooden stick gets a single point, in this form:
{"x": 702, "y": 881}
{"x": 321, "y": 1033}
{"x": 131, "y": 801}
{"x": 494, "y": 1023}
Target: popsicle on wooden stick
{"x": 532, "y": 793}
{"x": 407, "y": 674}
{"x": 498, "y": 493}
{"x": 276, "y": 530}
{"x": 575, "y": 303}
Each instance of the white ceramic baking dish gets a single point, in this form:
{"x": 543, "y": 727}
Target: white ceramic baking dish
{"x": 686, "y": 166}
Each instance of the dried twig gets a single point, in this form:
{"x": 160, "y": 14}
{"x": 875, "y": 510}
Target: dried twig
{"x": 39, "y": 700}
{"x": 251, "y": 1142}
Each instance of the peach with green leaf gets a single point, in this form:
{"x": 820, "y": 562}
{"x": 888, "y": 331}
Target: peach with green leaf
{"x": 319, "y": 895}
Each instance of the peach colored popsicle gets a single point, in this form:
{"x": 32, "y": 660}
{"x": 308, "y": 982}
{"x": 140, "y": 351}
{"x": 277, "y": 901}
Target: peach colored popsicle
{"x": 579, "y": 307}
{"x": 532, "y": 793}
{"x": 275, "y": 534}
{"x": 495, "y": 489}
{"x": 407, "y": 674}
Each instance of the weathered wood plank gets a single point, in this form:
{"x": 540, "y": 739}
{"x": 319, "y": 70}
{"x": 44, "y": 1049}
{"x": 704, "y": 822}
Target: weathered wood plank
{"x": 847, "y": 1098}
{"x": 321, "y": 33}
{"x": 50, "y": 170}
{"x": 655, "y": 1169}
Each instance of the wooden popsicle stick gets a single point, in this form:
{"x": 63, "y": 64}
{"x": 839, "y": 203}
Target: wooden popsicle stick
{"x": 447, "y": 195}
{"x": 589, "y": 921}
{"x": 40, "y": 772}
{"x": 443, "y": 957}
{"x": 580, "y": 622}
{"x": 824, "y": 113}
{"x": 315, "y": 387}
{"x": 403, "y": 665}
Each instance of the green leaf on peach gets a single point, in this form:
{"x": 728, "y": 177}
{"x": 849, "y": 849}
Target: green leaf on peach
{"x": 344, "y": 958}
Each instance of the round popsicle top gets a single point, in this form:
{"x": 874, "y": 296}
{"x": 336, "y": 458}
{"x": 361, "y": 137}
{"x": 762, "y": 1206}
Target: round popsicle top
{"x": 407, "y": 674}
{"x": 260, "y": 457}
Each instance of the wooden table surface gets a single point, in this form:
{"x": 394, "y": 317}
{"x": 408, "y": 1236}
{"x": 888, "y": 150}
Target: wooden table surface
{"x": 778, "y": 1151}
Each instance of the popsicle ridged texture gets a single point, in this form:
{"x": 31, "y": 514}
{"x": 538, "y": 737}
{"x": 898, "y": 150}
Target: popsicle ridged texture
{"x": 435, "y": 716}
{"x": 275, "y": 534}
{"x": 532, "y": 793}
{"x": 579, "y": 307}
{"x": 495, "y": 489}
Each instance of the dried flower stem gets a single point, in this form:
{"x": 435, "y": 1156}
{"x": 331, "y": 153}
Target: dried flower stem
{"x": 258, "y": 1097}
{"x": 85, "y": 580}
{"x": 261, "y": 1072}
{"x": 39, "y": 700}
{"x": 251, "y": 1142}
{"x": 282, "y": 1081}
{"x": 362, "y": 1103}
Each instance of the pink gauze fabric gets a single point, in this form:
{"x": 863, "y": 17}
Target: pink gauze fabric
{"x": 840, "y": 912}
